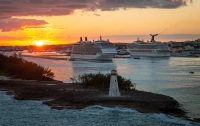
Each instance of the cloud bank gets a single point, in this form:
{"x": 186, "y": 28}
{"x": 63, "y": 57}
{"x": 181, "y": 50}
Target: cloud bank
{"x": 116, "y": 4}
{"x": 14, "y": 24}
{"x": 12, "y": 8}
{"x": 9, "y": 8}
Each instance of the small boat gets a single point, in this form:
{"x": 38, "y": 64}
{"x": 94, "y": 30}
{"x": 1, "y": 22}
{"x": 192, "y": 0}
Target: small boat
{"x": 122, "y": 56}
{"x": 191, "y": 72}
{"x": 122, "y": 53}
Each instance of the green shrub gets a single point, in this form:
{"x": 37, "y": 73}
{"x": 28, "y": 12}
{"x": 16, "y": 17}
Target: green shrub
{"x": 19, "y": 68}
{"x": 102, "y": 81}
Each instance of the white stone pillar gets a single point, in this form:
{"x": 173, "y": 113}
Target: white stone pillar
{"x": 114, "y": 88}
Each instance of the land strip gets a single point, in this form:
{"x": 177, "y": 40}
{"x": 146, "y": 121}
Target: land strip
{"x": 61, "y": 95}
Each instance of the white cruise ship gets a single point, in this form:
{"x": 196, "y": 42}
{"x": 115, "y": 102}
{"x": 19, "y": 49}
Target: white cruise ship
{"x": 148, "y": 49}
{"x": 97, "y": 50}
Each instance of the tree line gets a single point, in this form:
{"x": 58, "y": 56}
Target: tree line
{"x": 20, "y": 68}
{"x": 102, "y": 81}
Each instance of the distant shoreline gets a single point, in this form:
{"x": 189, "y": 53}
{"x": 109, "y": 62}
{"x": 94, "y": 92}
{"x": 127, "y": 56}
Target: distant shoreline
{"x": 73, "y": 96}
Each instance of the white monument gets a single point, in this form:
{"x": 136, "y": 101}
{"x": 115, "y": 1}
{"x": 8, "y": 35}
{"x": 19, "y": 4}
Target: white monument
{"x": 114, "y": 88}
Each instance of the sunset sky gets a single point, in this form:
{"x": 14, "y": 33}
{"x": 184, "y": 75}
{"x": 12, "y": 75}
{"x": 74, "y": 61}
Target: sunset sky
{"x": 25, "y": 22}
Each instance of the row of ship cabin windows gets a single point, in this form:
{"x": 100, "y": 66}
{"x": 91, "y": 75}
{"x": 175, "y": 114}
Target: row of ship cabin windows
{"x": 149, "y": 50}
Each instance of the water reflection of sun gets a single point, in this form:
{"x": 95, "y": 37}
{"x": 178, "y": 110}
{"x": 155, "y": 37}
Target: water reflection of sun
{"x": 40, "y": 42}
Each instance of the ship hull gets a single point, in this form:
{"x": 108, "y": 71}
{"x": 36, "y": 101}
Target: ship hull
{"x": 101, "y": 56}
{"x": 149, "y": 54}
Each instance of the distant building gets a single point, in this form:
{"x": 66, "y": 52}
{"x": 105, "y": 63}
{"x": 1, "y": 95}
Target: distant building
{"x": 187, "y": 48}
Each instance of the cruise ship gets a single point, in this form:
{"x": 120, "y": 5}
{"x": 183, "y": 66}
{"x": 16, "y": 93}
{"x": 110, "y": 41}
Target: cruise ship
{"x": 96, "y": 50}
{"x": 148, "y": 49}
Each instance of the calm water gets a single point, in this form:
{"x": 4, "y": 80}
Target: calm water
{"x": 169, "y": 76}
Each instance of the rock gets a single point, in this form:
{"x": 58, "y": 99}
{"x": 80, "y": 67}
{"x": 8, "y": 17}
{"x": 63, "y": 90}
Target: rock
{"x": 74, "y": 96}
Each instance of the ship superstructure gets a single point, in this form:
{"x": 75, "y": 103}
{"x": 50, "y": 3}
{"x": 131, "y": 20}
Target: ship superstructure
{"x": 96, "y": 50}
{"x": 148, "y": 49}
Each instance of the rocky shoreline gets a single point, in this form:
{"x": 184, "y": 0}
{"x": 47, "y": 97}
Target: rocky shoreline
{"x": 60, "y": 95}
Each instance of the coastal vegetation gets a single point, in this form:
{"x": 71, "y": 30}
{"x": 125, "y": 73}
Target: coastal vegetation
{"x": 20, "y": 68}
{"x": 102, "y": 81}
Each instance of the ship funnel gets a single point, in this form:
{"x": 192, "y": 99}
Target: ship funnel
{"x": 152, "y": 37}
{"x": 85, "y": 38}
{"x": 81, "y": 39}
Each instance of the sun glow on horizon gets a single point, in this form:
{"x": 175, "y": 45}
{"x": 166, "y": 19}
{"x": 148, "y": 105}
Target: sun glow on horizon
{"x": 123, "y": 24}
{"x": 40, "y": 42}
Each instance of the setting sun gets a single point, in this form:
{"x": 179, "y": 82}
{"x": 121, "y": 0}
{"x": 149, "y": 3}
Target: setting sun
{"x": 40, "y": 42}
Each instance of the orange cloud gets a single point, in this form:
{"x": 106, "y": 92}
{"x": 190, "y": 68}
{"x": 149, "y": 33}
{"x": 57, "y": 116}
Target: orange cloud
{"x": 14, "y": 24}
